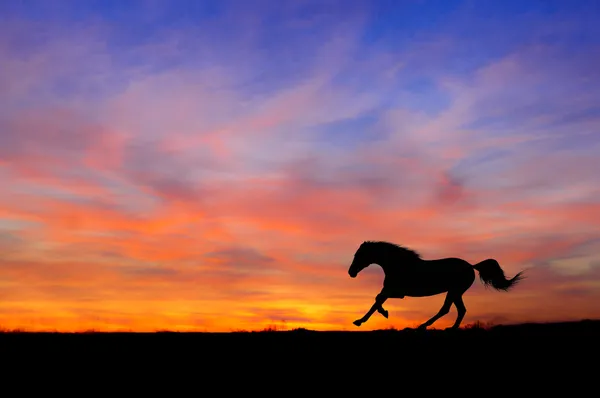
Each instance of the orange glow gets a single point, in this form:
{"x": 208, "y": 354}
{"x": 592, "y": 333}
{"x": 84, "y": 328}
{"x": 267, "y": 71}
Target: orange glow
{"x": 188, "y": 184}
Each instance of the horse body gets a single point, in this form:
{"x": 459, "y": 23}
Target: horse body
{"x": 407, "y": 274}
{"x": 429, "y": 278}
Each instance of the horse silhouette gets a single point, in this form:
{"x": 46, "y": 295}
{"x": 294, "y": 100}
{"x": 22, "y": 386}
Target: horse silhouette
{"x": 407, "y": 274}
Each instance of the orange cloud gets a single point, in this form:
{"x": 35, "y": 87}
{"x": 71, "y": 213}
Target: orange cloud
{"x": 182, "y": 199}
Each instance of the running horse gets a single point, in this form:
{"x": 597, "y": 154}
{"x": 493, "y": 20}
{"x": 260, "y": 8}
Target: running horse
{"x": 408, "y": 275}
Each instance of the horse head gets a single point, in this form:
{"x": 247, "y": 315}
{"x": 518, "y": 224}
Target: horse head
{"x": 362, "y": 259}
{"x": 388, "y": 255}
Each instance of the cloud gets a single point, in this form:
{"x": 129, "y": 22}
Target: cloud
{"x": 181, "y": 176}
{"x": 236, "y": 255}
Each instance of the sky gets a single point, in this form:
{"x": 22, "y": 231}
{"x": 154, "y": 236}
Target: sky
{"x": 214, "y": 165}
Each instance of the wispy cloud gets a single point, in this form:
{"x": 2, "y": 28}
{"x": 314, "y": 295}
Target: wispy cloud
{"x": 217, "y": 168}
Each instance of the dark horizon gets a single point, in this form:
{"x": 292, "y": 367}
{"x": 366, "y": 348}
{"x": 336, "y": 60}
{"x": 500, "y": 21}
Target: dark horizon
{"x": 582, "y": 325}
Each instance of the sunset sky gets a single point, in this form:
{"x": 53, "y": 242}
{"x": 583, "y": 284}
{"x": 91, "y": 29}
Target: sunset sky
{"x": 214, "y": 165}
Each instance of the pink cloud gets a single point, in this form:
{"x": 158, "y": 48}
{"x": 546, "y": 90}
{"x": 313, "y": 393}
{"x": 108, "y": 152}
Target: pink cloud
{"x": 179, "y": 197}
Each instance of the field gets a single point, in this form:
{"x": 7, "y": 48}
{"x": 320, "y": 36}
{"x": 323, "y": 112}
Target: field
{"x": 523, "y": 352}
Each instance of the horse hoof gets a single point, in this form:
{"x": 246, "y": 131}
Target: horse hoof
{"x": 357, "y": 323}
{"x": 385, "y": 314}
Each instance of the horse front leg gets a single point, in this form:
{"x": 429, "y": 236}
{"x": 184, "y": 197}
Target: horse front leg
{"x": 377, "y": 306}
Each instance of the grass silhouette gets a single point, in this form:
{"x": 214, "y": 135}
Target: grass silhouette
{"x": 583, "y": 327}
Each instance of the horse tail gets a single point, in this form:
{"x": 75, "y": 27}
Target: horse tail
{"x": 491, "y": 274}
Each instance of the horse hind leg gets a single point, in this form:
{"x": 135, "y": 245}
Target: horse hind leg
{"x": 461, "y": 309}
{"x": 443, "y": 311}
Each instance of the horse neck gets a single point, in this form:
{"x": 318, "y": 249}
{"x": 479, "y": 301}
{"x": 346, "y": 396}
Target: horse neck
{"x": 392, "y": 265}
{"x": 387, "y": 264}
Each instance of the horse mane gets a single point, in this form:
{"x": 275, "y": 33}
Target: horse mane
{"x": 398, "y": 250}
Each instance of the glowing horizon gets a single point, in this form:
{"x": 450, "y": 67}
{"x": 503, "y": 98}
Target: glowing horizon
{"x": 215, "y": 165}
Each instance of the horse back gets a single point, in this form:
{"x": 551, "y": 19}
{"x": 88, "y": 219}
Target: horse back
{"x": 431, "y": 277}
{"x": 449, "y": 264}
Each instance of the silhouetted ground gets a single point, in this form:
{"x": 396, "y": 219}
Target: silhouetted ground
{"x": 516, "y": 354}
